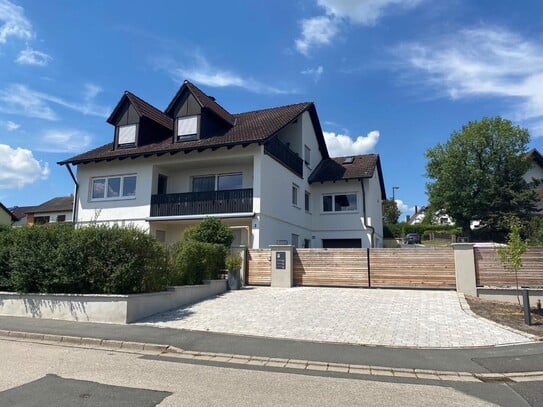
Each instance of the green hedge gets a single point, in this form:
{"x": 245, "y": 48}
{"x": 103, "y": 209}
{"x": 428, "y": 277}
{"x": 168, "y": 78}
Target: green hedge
{"x": 96, "y": 259}
{"x": 195, "y": 261}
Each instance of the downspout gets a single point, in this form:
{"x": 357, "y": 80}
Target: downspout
{"x": 364, "y": 215}
{"x": 76, "y": 193}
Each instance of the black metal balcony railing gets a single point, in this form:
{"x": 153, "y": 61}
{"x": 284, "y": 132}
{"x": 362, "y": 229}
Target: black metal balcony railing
{"x": 284, "y": 155}
{"x": 202, "y": 203}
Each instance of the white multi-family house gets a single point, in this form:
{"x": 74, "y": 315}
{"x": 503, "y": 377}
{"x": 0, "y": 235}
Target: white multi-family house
{"x": 266, "y": 173}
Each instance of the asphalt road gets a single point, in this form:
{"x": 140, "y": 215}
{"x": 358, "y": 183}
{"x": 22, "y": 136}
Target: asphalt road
{"x": 33, "y": 374}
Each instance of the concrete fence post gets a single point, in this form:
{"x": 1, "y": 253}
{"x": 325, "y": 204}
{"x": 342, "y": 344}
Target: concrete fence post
{"x": 282, "y": 268}
{"x": 464, "y": 266}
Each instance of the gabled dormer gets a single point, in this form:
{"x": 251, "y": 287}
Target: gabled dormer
{"x": 196, "y": 115}
{"x": 138, "y": 123}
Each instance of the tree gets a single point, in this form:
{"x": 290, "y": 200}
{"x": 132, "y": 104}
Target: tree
{"x": 478, "y": 174}
{"x": 391, "y": 212}
{"x": 511, "y": 255}
{"x": 210, "y": 230}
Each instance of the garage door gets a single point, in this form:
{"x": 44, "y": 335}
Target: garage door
{"x": 341, "y": 243}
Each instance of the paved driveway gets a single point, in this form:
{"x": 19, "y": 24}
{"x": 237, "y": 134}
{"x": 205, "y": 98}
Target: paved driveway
{"x": 414, "y": 318}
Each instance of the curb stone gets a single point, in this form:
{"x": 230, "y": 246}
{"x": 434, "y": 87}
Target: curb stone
{"x": 290, "y": 364}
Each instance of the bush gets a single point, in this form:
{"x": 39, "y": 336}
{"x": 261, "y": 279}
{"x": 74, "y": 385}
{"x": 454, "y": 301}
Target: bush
{"x": 233, "y": 262}
{"x": 196, "y": 261}
{"x": 210, "y": 230}
{"x": 6, "y": 242}
{"x": 399, "y": 230}
{"x": 96, "y": 259}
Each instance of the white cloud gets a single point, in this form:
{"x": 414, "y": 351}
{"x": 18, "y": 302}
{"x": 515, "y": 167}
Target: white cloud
{"x": 316, "y": 73}
{"x": 321, "y": 30}
{"x": 29, "y": 56}
{"x": 484, "y": 62}
{"x": 18, "y": 167}
{"x": 199, "y": 70}
{"x": 340, "y": 145}
{"x": 404, "y": 208}
{"x": 91, "y": 91}
{"x": 316, "y": 31}
{"x": 365, "y": 12}
{"x": 13, "y": 23}
{"x": 64, "y": 141}
{"x": 20, "y": 99}
{"x": 9, "y": 125}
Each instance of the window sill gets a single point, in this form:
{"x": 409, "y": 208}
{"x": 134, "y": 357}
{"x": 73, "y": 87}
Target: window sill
{"x": 127, "y": 198}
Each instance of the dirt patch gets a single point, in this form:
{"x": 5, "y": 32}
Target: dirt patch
{"x": 507, "y": 313}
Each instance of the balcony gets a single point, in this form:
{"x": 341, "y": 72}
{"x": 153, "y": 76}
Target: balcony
{"x": 285, "y": 156}
{"x": 202, "y": 203}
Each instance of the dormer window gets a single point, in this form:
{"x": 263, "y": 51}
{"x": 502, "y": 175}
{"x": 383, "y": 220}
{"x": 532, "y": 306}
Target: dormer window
{"x": 187, "y": 128}
{"x": 126, "y": 136}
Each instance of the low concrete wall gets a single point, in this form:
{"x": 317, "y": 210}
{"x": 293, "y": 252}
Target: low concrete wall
{"x": 117, "y": 309}
{"x": 509, "y": 294}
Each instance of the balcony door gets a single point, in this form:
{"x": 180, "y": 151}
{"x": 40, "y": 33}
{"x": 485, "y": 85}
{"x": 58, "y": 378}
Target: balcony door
{"x": 220, "y": 182}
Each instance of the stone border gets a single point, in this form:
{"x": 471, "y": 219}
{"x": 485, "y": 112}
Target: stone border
{"x": 278, "y": 363}
{"x": 117, "y": 309}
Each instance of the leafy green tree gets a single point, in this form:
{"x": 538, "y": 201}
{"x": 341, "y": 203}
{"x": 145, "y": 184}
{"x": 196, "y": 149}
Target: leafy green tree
{"x": 210, "y": 230}
{"x": 391, "y": 213}
{"x": 511, "y": 255}
{"x": 478, "y": 174}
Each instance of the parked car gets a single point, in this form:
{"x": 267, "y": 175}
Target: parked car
{"x": 412, "y": 238}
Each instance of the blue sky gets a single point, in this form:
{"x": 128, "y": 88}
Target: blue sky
{"x": 393, "y": 77}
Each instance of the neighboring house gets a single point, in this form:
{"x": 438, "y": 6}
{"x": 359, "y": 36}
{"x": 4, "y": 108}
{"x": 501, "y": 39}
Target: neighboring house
{"x": 20, "y": 214}
{"x": 6, "y": 216}
{"x": 266, "y": 173}
{"x": 439, "y": 217}
{"x": 536, "y": 172}
{"x": 56, "y": 210}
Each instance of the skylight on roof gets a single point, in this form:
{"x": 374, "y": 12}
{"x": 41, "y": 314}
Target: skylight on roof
{"x": 348, "y": 160}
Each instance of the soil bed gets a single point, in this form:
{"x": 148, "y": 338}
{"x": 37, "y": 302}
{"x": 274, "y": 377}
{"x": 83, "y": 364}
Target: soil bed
{"x": 506, "y": 313}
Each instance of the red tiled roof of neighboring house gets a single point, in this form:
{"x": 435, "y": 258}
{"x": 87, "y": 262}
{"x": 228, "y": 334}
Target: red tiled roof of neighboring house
{"x": 347, "y": 168}
{"x": 58, "y": 204}
{"x": 250, "y": 127}
{"x": 10, "y": 213}
{"x": 144, "y": 109}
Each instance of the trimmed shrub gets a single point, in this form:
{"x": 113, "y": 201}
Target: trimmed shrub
{"x": 196, "y": 261}
{"x": 6, "y": 242}
{"x": 95, "y": 259}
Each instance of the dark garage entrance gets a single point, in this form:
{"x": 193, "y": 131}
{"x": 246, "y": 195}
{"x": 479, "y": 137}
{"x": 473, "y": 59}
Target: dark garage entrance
{"x": 341, "y": 243}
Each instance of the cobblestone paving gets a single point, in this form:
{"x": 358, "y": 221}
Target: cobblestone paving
{"x": 413, "y": 318}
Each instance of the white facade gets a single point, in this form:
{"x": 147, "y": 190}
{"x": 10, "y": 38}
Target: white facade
{"x": 536, "y": 172}
{"x": 269, "y": 199}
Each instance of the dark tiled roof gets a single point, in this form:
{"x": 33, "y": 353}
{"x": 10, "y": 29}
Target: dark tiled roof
{"x": 536, "y": 156}
{"x": 13, "y": 217}
{"x": 205, "y": 101}
{"x": 21, "y": 211}
{"x": 362, "y": 166}
{"x": 250, "y": 127}
{"x": 333, "y": 169}
{"x": 144, "y": 109}
{"x": 58, "y": 204}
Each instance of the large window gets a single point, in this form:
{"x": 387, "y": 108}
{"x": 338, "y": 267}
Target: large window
{"x": 339, "y": 203}
{"x": 220, "y": 182}
{"x": 187, "y": 127}
{"x": 116, "y": 187}
{"x": 127, "y": 135}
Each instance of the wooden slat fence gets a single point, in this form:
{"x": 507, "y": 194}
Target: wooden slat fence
{"x": 331, "y": 267}
{"x": 258, "y": 267}
{"x": 490, "y": 272}
{"x": 417, "y": 267}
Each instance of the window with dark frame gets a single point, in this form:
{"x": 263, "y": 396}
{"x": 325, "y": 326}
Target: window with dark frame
{"x": 126, "y": 135}
{"x": 339, "y": 203}
{"x": 219, "y": 182}
{"x": 307, "y": 155}
{"x": 307, "y": 200}
{"x": 187, "y": 128}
